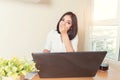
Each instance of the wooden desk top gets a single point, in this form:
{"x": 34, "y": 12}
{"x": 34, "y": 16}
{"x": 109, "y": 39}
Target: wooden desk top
{"x": 112, "y": 74}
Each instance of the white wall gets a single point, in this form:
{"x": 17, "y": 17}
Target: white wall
{"x": 24, "y": 26}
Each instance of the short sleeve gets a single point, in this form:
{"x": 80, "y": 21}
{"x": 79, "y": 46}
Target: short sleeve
{"x": 48, "y": 41}
{"x": 75, "y": 43}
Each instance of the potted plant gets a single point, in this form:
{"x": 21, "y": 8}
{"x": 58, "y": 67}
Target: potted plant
{"x": 15, "y": 68}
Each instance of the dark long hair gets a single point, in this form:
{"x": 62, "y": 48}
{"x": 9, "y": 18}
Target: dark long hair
{"x": 74, "y": 28}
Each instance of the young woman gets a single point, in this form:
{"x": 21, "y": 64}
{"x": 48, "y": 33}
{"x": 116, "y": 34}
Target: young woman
{"x": 65, "y": 37}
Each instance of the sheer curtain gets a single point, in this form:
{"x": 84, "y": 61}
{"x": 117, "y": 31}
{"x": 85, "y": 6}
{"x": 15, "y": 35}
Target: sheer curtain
{"x": 85, "y": 25}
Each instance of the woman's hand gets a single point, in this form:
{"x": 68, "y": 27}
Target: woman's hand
{"x": 63, "y": 29}
{"x": 46, "y": 51}
{"x": 64, "y": 36}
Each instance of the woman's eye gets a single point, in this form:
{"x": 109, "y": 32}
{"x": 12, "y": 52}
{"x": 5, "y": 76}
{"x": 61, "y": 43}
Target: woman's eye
{"x": 68, "y": 22}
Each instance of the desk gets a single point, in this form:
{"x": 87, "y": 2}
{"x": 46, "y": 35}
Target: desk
{"x": 112, "y": 74}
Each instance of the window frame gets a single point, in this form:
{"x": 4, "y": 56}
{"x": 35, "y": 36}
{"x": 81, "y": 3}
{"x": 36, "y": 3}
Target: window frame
{"x": 112, "y": 22}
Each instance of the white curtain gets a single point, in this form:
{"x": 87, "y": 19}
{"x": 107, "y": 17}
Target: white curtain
{"x": 85, "y": 25}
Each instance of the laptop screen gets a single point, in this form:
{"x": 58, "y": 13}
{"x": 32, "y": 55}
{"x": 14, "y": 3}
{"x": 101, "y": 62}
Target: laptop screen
{"x": 70, "y": 64}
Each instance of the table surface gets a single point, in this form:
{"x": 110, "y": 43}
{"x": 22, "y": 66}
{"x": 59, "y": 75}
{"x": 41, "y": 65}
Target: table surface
{"x": 112, "y": 74}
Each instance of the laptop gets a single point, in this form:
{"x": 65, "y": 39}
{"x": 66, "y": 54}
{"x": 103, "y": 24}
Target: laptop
{"x": 70, "y": 64}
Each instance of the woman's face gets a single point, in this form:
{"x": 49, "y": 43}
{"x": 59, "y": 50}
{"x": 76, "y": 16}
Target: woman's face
{"x": 66, "y": 22}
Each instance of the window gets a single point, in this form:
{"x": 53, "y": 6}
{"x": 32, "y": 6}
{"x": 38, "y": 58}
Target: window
{"x": 105, "y": 34}
{"x": 105, "y": 9}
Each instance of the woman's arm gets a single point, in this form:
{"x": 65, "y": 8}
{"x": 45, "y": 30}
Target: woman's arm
{"x": 48, "y": 43}
{"x": 67, "y": 42}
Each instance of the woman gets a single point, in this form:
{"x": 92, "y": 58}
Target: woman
{"x": 64, "y": 38}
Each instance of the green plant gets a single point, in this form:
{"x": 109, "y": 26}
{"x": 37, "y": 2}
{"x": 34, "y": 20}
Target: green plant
{"x": 15, "y": 67}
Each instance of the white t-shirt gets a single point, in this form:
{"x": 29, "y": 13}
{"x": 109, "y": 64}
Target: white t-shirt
{"x": 55, "y": 44}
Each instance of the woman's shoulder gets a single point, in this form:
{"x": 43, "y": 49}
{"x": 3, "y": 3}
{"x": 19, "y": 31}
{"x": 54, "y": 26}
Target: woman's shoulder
{"x": 53, "y": 31}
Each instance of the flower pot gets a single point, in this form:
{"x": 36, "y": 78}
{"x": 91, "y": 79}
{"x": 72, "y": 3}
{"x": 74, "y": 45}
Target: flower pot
{"x": 13, "y": 78}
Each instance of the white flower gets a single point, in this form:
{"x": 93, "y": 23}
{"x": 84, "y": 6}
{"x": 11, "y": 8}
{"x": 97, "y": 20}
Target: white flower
{"x": 15, "y": 67}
